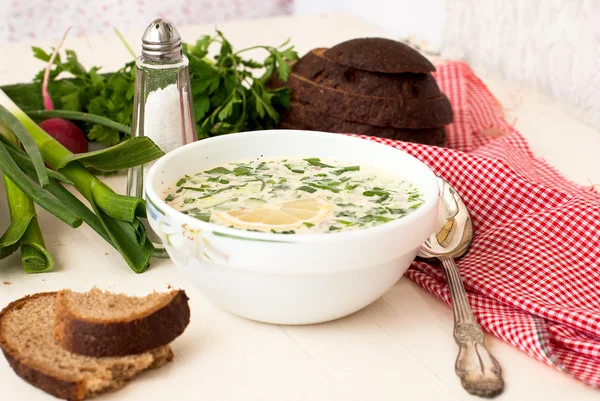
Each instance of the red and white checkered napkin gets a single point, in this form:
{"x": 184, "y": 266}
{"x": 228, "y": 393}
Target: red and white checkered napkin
{"x": 533, "y": 271}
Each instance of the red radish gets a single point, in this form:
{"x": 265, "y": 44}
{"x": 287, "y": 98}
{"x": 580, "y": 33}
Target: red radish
{"x": 67, "y": 133}
{"x": 64, "y": 131}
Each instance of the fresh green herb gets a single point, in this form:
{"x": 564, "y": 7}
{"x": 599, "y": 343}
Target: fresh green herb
{"x": 170, "y": 198}
{"x": 320, "y": 175}
{"x": 315, "y": 161}
{"x": 270, "y": 182}
{"x": 344, "y": 169}
{"x": 345, "y": 222}
{"x": 382, "y": 198}
{"x": 309, "y": 225}
{"x": 218, "y": 170}
{"x": 294, "y": 169}
{"x": 376, "y": 192}
{"x": 263, "y": 184}
{"x": 227, "y": 96}
{"x": 181, "y": 181}
{"x": 238, "y": 171}
{"x": 345, "y": 213}
{"x": 194, "y": 189}
{"x": 305, "y": 178}
{"x": 334, "y": 228}
{"x": 346, "y": 204}
{"x": 325, "y": 187}
{"x": 223, "y": 181}
{"x": 282, "y": 180}
{"x": 306, "y": 189}
{"x": 222, "y": 190}
{"x": 416, "y": 205}
{"x": 187, "y": 201}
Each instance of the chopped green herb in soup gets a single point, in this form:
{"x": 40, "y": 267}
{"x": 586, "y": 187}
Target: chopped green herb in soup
{"x": 294, "y": 196}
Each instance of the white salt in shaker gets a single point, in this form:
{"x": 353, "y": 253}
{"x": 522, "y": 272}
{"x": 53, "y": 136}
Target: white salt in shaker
{"x": 163, "y": 107}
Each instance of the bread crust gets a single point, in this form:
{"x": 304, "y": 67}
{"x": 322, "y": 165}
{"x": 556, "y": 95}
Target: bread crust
{"x": 65, "y": 389}
{"x": 373, "y": 110}
{"x": 316, "y": 67}
{"x": 379, "y": 55}
{"x": 121, "y": 338}
{"x": 304, "y": 116}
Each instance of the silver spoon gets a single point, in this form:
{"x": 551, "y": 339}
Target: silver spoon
{"x": 478, "y": 370}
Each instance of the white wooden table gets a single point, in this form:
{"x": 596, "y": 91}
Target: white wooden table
{"x": 398, "y": 348}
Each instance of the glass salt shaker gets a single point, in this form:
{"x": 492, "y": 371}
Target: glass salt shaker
{"x": 162, "y": 104}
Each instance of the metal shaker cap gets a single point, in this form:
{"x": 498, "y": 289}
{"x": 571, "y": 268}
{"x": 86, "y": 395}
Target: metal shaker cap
{"x": 161, "y": 42}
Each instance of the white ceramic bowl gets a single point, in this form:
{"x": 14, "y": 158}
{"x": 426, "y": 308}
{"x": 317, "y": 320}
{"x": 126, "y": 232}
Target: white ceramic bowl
{"x": 290, "y": 279}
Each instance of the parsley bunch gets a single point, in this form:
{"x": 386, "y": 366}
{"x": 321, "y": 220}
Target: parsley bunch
{"x": 227, "y": 96}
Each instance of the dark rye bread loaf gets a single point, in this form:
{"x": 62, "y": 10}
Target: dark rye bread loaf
{"x": 306, "y": 117}
{"x": 379, "y": 55}
{"x": 28, "y": 344}
{"x": 373, "y": 110}
{"x": 319, "y": 69}
{"x": 101, "y": 324}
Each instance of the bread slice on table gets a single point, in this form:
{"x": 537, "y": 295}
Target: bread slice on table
{"x": 28, "y": 343}
{"x": 373, "y": 110}
{"x": 307, "y": 117}
{"x": 315, "y": 67}
{"x": 101, "y": 324}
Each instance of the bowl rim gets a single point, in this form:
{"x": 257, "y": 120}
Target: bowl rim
{"x": 382, "y": 229}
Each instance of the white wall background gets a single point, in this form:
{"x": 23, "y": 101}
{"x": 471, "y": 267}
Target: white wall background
{"x": 423, "y": 19}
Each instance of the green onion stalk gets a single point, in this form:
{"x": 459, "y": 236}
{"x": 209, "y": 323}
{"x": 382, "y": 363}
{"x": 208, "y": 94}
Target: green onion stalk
{"x": 24, "y": 230}
{"x": 115, "y": 217}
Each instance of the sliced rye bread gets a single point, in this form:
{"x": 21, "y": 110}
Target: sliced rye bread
{"x": 379, "y": 55}
{"x": 28, "y": 344}
{"x": 304, "y": 116}
{"x": 315, "y": 67}
{"x": 101, "y": 324}
{"x": 373, "y": 110}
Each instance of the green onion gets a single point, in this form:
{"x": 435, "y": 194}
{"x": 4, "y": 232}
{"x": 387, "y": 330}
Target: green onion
{"x": 239, "y": 171}
{"x": 11, "y": 123}
{"x": 218, "y": 170}
{"x": 78, "y": 115}
{"x": 181, "y": 181}
{"x": 24, "y": 162}
{"x": 309, "y": 225}
{"x": 169, "y": 198}
{"x": 24, "y": 230}
{"x": 376, "y": 192}
{"x": 294, "y": 169}
{"x": 306, "y": 189}
{"x": 334, "y": 190}
{"x": 12, "y": 171}
{"x": 117, "y": 214}
{"x": 344, "y": 169}
{"x": 218, "y": 190}
{"x": 315, "y": 161}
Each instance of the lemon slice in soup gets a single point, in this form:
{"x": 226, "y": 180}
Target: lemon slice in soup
{"x": 284, "y": 216}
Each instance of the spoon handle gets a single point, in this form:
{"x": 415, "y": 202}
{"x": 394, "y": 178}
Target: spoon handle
{"x": 477, "y": 368}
